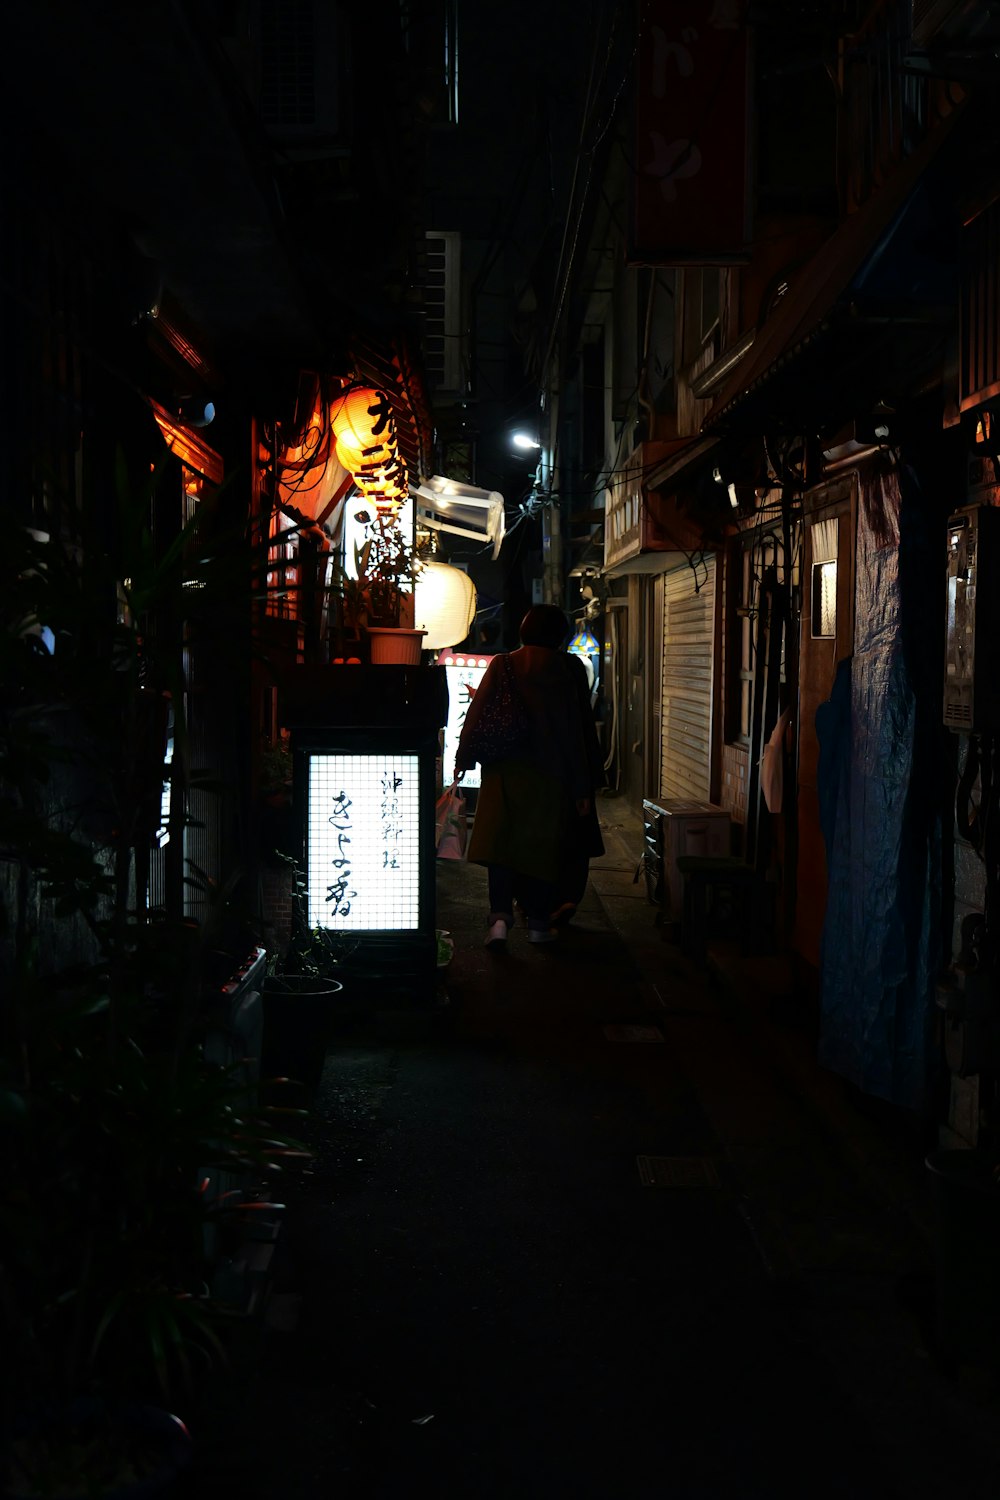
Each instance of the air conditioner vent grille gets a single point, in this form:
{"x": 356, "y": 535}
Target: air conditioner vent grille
{"x": 442, "y": 341}
{"x": 288, "y": 52}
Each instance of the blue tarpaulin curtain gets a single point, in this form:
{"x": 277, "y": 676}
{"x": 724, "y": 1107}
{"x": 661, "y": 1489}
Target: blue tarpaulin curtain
{"x": 880, "y": 808}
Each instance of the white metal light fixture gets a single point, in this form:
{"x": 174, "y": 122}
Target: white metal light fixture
{"x": 460, "y": 509}
{"x": 196, "y": 412}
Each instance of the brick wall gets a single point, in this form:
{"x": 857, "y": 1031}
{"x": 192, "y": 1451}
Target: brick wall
{"x": 735, "y": 772}
{"x": 276, "y": 907}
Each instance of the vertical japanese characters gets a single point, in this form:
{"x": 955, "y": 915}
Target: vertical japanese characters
{"x": 363, "y": 830}
{"x": 339, "y": 892}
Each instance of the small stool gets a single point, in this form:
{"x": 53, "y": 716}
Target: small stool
{"x": 707, "y": 881}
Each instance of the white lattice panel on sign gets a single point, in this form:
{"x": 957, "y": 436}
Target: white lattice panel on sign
{"x": 364, "y": 847}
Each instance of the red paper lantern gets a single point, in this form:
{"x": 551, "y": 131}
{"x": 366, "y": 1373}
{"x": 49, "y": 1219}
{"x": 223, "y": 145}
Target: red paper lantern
{"x": 362, "y": 420}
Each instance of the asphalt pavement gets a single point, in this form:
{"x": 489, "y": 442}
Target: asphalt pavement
{"x": 595, "y": 1226}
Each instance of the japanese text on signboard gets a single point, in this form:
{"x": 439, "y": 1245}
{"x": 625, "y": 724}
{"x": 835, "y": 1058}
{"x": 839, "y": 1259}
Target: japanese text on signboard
{"x": 363, "y": 861}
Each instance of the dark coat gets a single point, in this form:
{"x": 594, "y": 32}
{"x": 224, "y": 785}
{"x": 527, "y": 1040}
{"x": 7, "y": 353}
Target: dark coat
{"x": 526, "y": 815}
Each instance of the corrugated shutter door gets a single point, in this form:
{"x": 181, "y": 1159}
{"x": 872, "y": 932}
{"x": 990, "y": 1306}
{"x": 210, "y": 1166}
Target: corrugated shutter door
{"x": 688, "y": 655}
{"x": 655, "y": 731}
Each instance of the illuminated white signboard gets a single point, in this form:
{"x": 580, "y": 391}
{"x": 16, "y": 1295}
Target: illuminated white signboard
{"x": 363, "y": 857}
{"x": 464, "y": 674}
{"x": 356, "y": 532}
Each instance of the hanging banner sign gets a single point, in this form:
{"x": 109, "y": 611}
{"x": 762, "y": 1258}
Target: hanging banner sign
{"x": 690, "y": 198}
{"x": 463, "y": 673}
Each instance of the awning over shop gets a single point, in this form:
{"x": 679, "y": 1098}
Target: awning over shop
{"x": 646, "y": 527}
{"x": 645, "y": 564}
{"x": 682, "y": 462}
{"x": 878, "y": 285}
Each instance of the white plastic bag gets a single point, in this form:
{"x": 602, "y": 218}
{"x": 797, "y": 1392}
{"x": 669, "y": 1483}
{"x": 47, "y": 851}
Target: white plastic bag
{"x": 450, "y": 824}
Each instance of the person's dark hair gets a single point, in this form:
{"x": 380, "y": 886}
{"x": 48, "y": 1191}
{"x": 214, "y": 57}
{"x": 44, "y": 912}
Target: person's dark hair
{"x": 544, "y": 625}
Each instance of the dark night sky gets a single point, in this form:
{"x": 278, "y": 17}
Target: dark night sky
{"x": 504, "y": 179}
{"x": 523, "y": 72}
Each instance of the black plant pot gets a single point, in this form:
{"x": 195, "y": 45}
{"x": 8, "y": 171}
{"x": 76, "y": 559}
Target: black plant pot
{"x": 300, "y": 1016}
{"x": 967, "y": 1254}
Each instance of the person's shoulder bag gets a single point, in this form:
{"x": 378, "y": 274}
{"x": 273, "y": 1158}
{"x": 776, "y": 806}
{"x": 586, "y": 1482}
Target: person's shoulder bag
{"x": 502, "y": 729}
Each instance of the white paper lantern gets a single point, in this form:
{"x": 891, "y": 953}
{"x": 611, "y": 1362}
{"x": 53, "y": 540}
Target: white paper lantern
{"x": 444, "y": 605}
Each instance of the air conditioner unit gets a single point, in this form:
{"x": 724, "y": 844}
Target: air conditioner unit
{"x": 300, "y": 52}
{"x": 442, "y": 342}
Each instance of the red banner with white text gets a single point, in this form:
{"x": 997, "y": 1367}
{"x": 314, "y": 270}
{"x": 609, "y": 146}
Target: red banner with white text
{"x": 690, "y": 197}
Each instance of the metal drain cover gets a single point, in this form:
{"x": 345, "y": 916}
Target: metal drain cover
{"x": 632, "y": 1033}
{"x": 677, "y": 1171}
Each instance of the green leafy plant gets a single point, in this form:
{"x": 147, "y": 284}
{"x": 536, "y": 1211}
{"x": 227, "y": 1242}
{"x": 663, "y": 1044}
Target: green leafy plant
{"x": 384, "y": 565}
{"x": 116, "y": 1129}
{"x": 312, "y": 951}
{"x": 275, "y": 764}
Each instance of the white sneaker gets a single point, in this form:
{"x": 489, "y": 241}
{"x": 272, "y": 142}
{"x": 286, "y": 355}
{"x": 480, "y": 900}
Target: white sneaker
{"x": 496, "y": 934}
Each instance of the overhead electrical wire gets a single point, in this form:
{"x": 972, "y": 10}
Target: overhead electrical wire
{"x": 582, "y": 153}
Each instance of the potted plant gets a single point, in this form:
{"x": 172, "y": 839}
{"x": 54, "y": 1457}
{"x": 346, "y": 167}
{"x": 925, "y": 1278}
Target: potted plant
{"x": 304, "y": 1003}
{"x": 965, "y": 1190}
{"x": 275, "y": 821}
{"x": 113, "y": 1119}
{"x": 965, "y": 1181}
{"x": 385, "y": 570}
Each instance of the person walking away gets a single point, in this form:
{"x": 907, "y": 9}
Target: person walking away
{"x": 536, "y": 825}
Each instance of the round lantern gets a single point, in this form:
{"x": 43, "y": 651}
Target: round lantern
{"x": 355, "y": 416}
{"x": 380, "y": 491}
{"x": 444, "y": 605}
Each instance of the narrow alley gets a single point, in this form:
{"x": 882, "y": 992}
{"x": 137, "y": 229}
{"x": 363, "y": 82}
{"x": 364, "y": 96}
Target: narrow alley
{"x": 584, "y": 408}
{"x": 586, "y": 1234}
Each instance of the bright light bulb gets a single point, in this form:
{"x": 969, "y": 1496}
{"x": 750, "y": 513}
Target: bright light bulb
{"x": 522, "y": 440}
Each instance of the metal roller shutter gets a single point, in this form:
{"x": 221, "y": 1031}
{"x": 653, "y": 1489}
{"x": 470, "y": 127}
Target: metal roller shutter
{"x": 688, "y": 658}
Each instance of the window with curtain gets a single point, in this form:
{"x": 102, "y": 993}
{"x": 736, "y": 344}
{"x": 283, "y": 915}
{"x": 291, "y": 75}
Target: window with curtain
{"x": 823, "y": 582}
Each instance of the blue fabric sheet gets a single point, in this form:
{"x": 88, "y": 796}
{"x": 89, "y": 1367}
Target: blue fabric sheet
{"x": 880, "y": 811}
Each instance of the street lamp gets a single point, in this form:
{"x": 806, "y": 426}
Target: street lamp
{"x": 525, "y": 441}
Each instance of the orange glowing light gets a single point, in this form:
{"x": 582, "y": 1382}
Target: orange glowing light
{"x": 363, "y": 426}
{"x": 362, "y": 421}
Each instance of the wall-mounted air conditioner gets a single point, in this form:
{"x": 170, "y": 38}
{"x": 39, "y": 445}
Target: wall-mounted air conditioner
{"x": 298, "y": 57}
{"x": 443, "y": 344}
